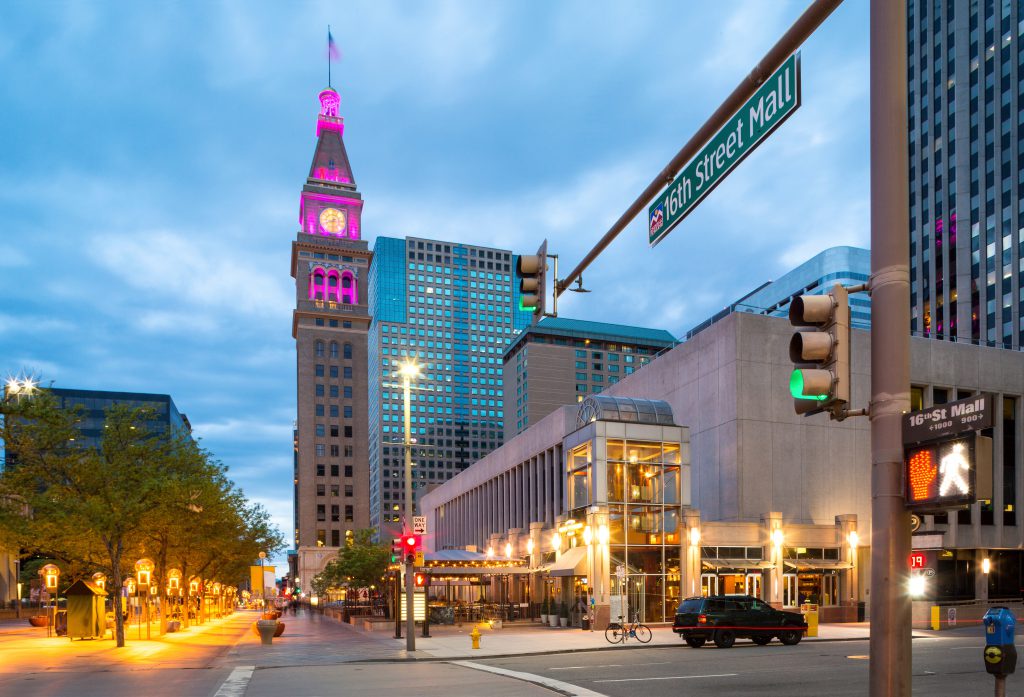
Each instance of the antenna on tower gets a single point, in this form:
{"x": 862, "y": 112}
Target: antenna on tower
{"x": 332, "y": 53}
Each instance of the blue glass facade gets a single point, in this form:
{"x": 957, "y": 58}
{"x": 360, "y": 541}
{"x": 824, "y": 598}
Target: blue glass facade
{"x": 845, "y": 265}
{"x": 95, "y": 404}
{"x": 453, "y": 308}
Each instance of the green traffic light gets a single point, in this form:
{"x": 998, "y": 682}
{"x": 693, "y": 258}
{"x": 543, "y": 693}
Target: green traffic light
{"x": 796, "y": 387}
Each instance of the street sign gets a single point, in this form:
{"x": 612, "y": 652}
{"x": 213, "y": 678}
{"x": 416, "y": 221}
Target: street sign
{"x": 772, "y": 104}
{"x": 971, "y": 414}
{"x": 419, "y": 525}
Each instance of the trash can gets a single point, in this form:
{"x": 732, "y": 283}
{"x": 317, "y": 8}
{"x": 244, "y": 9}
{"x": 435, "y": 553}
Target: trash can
{"x": 861, "y": 611}
{"x": 266, "y": 629}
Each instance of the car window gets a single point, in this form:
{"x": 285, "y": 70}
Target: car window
{"x": 691, "y": 605}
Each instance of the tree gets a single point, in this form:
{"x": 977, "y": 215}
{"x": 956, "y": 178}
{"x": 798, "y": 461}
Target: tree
{"x": 360, "y": 563}
{"x": 141, "y": 492}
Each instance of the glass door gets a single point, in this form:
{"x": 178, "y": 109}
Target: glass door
{"x": 754, "y": 585}
{"x": 789, "y": 597}
{"x": 708, "y": 584}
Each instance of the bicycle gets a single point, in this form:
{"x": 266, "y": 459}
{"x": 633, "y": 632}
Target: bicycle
{"x": 618, "y": 632}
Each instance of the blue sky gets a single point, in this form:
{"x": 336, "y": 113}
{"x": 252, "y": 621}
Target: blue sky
{"x": 153, "y": 155}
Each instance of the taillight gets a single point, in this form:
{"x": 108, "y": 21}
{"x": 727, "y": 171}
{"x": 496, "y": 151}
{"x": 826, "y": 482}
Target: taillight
{"x": 702, "y": 619}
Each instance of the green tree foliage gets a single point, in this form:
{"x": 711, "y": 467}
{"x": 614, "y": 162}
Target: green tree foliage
{"x": 360, "y": 564}
{"x": 140, "y": 493}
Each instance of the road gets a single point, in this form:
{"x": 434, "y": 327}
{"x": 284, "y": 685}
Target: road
{"x": 950, "y": 664}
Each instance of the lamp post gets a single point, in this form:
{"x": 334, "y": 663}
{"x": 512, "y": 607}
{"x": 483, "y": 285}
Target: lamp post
{"x": 129, "y": 587}
{"x": 51, "y": 575}
{"x": 408, "y": 370}
{"x": 144, "y": 576}
{"x": 173, "y": 587}
{"x": 529, "y": 578}
{"x": 193, "y": 590}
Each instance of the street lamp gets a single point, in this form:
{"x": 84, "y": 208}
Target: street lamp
{"x": 408, "y": 370}
{"x": 51, "y": 575}
{"x": 144, "y": 574}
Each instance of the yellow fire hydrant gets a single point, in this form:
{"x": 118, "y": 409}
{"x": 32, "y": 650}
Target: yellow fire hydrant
{"x": 475, "y": 637}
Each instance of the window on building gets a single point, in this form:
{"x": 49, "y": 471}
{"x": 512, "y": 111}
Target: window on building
{"x": 335, "y": 514}
{"x": 347, "y": 351}
{"x": 319, "y": 349}
{"x": 335, "y": 538}
{"x": 348, "y": 491}
{"x": 321, "y": 512}
{"x": 334, "y": 349}
{"x": 348, "y": 470}
{"x": 334, "y": 470}
{"x": 349, "y": 514}
{"x": 320, "y": 469}
{"x": 321, "y": 538}
{"x": 319, "y": 370}
{"x": 347, "y": 373}
{"x": 320, "y": 490}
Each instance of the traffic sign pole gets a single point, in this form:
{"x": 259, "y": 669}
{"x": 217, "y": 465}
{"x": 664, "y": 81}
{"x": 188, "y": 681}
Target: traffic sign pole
{"x": 889, "y": 667}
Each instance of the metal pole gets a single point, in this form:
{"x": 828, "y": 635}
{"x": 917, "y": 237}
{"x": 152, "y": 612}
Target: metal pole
{"x": 810, "y": 20}
{"x": 1000, "y": 686}
{"x": 410, "y": 623}
{"x": 890, "y": 352}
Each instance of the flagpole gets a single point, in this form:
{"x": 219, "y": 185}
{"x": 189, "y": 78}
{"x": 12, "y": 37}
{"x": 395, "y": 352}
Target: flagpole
{"x": 328, "y": 55}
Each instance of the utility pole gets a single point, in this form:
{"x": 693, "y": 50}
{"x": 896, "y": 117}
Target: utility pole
{"x": 890, "y": 351}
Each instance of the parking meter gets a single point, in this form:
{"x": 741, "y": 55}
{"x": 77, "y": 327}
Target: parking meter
{"x": 1000, "y": 651}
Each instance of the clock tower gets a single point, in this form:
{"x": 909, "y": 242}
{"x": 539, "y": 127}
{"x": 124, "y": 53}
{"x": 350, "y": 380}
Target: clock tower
{"x": 329, "y": 263}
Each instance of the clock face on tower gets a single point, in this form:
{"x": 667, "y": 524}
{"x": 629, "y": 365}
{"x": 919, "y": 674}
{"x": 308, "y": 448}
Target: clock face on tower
{"x": 332, "y": 220}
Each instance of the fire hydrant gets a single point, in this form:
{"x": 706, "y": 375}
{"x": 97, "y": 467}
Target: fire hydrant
{"x": 475, "y": 637}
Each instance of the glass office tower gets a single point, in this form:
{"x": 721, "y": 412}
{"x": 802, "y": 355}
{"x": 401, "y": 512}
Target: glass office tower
{"x": 966, "y": 177}
{"x": 453, "y": 308}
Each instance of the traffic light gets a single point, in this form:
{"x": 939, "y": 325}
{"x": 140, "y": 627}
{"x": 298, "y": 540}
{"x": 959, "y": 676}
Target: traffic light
{"x": 420, "y": 580}
{"x": 410, "y": 543}
{"x": 396, "y": 550}
{"x": 530, "y": 269}
{"x": 821, "y": 379}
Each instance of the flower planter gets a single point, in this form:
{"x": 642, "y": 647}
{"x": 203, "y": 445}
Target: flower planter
{"x": 543, "y": 619}
{"x": 564, "y": 621}
{"x": 39, "y": 620}
{"x": 266, "y": 629}
{"x": 553, "y": 619}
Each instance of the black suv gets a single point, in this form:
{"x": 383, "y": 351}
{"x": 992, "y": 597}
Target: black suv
{"x": 724, "y": 618}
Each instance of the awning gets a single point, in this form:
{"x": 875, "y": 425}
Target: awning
{"x": 475, "y": 570}
{"x": 572, "y": 562}
{"x": 737, "y": 563}
{"x": 817, "y": 564}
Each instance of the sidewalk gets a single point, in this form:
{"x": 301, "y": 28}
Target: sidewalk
{"x": 449, "y": 642}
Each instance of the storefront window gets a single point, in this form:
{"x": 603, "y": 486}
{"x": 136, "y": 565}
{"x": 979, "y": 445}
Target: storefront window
{"x": 579, "y": 477}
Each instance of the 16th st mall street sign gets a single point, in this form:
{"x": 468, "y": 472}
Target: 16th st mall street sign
{"x": 772, "y": 104}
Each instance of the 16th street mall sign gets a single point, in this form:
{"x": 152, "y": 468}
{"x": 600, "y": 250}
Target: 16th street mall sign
{"x": 772, "y": 104}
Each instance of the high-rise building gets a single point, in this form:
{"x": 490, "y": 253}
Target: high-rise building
{"x": 94, "y": 405}
{"x": 848, "y": 266}
{"x": 964, "y": 67}
{"x": 329, "y": 262}
{"x": 452, "y": 308}
{"x": 561, "y": 361}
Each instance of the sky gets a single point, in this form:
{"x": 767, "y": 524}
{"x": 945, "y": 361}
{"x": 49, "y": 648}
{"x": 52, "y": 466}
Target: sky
{"x": 153, "y": 155}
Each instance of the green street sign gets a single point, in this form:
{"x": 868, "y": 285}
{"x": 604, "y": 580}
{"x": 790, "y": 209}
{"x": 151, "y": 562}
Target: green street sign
{"x": 772, "y": 104}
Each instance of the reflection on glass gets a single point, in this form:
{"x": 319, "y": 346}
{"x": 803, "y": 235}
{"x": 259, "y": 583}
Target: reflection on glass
{"x": 616, "y": 450}
{"x": 616, "y": 482}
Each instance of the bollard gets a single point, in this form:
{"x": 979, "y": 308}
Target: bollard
{"x": 935, "y": 623}
{"x": 811, "y": 616}
{"x": 474, "y": 636}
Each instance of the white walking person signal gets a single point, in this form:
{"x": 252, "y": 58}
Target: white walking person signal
{"x": 952, "y": 468}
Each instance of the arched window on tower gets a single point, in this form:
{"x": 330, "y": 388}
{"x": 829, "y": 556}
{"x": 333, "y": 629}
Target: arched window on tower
{"x": 346, "y": 350}
{"x": 334, "y": 349}
{"x": 332, "y": 286}
{"x": 319, "y": 349}
{"x": 317, "y": 285}
{"x": 349, "y": 293}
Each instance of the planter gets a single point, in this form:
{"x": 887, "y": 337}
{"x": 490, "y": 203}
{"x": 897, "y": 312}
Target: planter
{"x": 266, "y": 629}
{"x": 39, "y": 620}
{"x": 543, "y": 619}
{"x": 553, "y": 619}
{"x": 280, "y": 629}
{"x": 564, "y": 621}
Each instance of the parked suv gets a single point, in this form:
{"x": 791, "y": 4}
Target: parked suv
{"x": 725, "y": 618}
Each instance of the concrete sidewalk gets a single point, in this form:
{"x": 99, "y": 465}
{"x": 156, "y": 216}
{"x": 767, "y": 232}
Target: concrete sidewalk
{"x": 453, "y": 642}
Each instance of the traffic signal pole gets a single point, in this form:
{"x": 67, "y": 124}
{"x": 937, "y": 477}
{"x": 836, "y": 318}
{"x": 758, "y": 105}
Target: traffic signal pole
{"x": 890, "y": 653}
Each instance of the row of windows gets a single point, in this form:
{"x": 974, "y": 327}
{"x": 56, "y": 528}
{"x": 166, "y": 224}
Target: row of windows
{"x": 335, "y": 469}
{"x": 332, "y": 349}
{"x": 319, "y": 321}
{"x": 321, "y": 490}
{"x": 332, "y": 257}
{"x": 321, "y": 450}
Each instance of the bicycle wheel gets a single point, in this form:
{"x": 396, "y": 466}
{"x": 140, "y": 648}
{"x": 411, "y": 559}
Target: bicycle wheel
{"x": 614, "y": 633}
{"x": 643, "y": 633}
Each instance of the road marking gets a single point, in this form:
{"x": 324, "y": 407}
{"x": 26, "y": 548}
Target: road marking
{"x": 236, "y": 683}
{"x": 564, "y": 687}
{"x": 603, "y": 665}
{"x": 673, "y": 677}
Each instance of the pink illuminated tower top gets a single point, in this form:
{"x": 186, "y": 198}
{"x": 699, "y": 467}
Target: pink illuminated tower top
{"x": 331, "y": 206}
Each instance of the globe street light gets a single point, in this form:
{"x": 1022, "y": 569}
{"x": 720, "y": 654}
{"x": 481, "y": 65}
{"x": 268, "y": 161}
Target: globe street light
{"x": 408, "y": 370}
{"x": 144, "y": 574}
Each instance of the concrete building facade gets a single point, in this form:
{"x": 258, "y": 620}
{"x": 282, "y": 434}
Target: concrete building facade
{"x": 779, "y": 503}
{"x": 329, "y": 262}
{"x": 560, "y": 361}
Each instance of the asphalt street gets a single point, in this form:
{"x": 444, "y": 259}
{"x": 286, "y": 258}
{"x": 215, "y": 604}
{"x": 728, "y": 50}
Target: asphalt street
{"x": 946, "y": 665}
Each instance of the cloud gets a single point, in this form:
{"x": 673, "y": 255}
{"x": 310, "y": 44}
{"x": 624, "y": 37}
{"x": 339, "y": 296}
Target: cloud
{"x": 177, "y": 266}
{"x": 11, "y": 257}
{"x": 250, "y": 429}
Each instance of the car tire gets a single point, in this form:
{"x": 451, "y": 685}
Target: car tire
{"x": 790, "y": 637}
{"x": 694, "y": 642}
{"x": 725, "y": 638}
{"x": 761, "y": 639}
